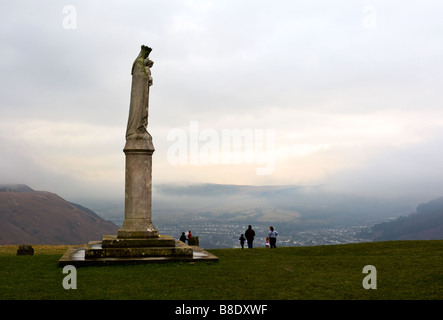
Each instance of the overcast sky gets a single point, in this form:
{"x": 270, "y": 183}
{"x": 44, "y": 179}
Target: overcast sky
{"x": 341, "y": 93}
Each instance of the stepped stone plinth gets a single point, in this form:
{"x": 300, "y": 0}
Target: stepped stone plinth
{"x": 113, "y": 247}
{"x": 135, "y": 251}
{"x": 116, "y": 242}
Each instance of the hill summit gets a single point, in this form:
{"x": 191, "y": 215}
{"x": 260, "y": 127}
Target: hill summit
{"x": 15, "y": 188}
{"x": 41, "y": 217}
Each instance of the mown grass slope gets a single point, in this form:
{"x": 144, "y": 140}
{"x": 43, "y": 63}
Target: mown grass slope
{"x": 405, "y": 270}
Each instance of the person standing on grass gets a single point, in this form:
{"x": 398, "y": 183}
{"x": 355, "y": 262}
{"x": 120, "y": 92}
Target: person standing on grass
{"x": 242, "y": 240}
{"x": 250, "y": 234}
{"x": 272, "y": 237}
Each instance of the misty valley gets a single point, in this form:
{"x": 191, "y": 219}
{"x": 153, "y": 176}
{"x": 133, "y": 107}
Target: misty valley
{"x": 218, "y": 214}
{"x": 303, "y": 216}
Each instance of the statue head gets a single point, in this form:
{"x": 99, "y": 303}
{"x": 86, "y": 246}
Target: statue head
{"x": 143, "y": 56}
{"x": 145, "y": 51}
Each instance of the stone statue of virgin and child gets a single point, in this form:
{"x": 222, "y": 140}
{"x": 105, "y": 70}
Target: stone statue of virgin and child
{"x": 137, "y": 135}
{"x": 138, "y": 152}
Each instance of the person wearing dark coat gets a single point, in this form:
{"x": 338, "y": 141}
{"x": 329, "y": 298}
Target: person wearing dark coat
{"x": 242, "y": 240}
{"x": 250, "y": 234}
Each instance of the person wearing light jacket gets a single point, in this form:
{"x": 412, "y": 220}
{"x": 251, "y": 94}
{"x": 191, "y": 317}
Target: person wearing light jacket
{"x": 272, "y": 237}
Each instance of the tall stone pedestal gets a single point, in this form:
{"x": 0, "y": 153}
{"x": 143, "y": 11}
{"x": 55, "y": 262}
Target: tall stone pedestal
{"x": 138, "y": 190}
{"x": 137, "y": 237}
{"x": 137, "y": 241}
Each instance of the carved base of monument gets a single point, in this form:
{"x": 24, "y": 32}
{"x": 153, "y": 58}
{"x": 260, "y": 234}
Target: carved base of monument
{"x": 116, "y": 242}
{"x": 137, "y": 228}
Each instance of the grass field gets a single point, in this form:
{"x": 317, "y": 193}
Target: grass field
{"x": 405, "y": 270}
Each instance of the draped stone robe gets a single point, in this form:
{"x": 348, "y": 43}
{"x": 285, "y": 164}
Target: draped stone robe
{"x": 139, "y": 103}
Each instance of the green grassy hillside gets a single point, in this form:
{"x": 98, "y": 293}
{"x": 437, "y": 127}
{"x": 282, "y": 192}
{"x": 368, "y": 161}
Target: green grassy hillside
{"x": 405, "y": 270}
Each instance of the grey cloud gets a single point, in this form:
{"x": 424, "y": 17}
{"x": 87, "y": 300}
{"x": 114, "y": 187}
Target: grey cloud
{"x": 221, "y": 60}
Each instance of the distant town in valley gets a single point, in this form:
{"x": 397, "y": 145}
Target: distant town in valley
{"x": 217, "y": 235}
{"x": 303, "y": 216}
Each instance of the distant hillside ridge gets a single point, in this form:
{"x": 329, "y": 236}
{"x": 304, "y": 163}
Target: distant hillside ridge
{"x": 424, "y": 224}
{"x": 41, "y": 217}
{"x": 15, "y": 188}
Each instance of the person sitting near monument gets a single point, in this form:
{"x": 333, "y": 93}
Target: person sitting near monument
{"x": 183, "y": 237}
{"x": 189, "y": 235}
